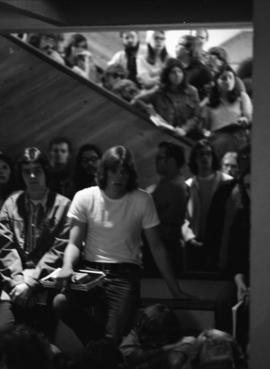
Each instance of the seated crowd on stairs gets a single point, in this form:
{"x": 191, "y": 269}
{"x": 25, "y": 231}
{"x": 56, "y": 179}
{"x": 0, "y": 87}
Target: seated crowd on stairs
{"x": 202, "y": 223}
{"x": 192, "y": 92}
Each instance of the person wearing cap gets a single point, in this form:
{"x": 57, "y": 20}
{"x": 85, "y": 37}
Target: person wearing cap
{"x": 33, "y": 235}
{"x": 49, "y": 44}
{"x": 112, "y": 75}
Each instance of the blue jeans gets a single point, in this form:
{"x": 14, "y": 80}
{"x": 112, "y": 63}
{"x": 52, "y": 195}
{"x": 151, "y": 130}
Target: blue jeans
{"x": 108, "y": 310}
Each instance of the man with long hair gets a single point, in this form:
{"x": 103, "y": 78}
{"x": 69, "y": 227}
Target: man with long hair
{"x": 107, "y": 221}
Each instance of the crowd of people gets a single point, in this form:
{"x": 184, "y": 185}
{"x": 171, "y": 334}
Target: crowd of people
{"x": 96, "y": 216}
{"x": 88, "y": 211}
{"x": 195, "y": 91}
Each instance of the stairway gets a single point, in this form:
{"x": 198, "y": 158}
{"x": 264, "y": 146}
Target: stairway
{"x": 40, "y": 99}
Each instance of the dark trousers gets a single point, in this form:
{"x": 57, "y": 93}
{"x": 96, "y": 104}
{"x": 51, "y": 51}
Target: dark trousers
{"x": 105, "y": 311}
{"x": 39, "y": 317}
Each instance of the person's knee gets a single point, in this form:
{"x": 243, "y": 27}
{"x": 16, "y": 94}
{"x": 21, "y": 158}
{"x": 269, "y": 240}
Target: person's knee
{"x": 59, "y": 304}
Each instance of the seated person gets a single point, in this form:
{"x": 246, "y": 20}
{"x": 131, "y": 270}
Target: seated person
{"x": 22, "y": 347}
{"x": 112, "y": 75}
{"x": 155, "y": 334}
{"x": 218, "y": 349}
{"x": 126, "y": 89}
{"x": 33, "y": 235}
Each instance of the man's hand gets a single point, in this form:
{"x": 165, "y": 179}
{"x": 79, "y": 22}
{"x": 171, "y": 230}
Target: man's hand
{"x": 21, "y": 294}
{"x": 243, "y": 122}
{"x": 195, "y": 243}
{"x": 180, "y": 132}
{"x": 65, "y": 275}
{"x": 242, "y": 289}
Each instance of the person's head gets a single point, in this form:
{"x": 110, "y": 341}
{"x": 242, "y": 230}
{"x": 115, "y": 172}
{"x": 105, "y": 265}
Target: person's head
{"x": 117, "y": 170}
{"x": 188, "y": 49}
{"x": 60, "y": 150}
{"x": 130, "y": 39}
{"x": 112, "y": 75}
{"x": 202, "y": 36}
{"x": 22, "y": 347}
{"x": 158, "y": 39}
{"x": 48, "y": 42}
{"x": 225, "y": 86}
{"x": 6, "y": 169}
{"x": 217, "y": 57}
{"x": 170, "y": 158}
{"x": 203, "y": 159}
{"x": 229, "y": 164}
{"x": 126, "y": 89}
{"x": 173, "y": 74}
{"x": 88, "y": 159}
{"x": 226, "y": 79}
{"x": 157, "y": 325}
{"x": 76, "y": 44}
{"x": 217, "y": 349}
{"x": 33, "y": 170}
{"x": 82, "y": 58}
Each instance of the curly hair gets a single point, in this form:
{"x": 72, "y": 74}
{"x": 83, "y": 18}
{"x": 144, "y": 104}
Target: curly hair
{"x": 218, "y": 349}
{"x": 157, "y": 325}
{"x": 113, "y": 158}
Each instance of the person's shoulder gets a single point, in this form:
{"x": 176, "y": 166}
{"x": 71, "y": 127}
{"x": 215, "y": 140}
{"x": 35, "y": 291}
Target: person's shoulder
{"x": 87, "y": 193}
{"x": 140, "y": 194}
{"x": 14, "y": 196}
{"x": 61, "y": 199}
{"x": 150, "y": 189}
{"x": 191, "y": 90}
{"x": 225, "y": 176}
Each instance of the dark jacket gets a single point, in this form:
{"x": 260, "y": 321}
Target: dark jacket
{"x": 50, "y": 243}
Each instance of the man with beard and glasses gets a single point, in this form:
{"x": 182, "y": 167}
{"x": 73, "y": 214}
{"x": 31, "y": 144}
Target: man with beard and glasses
{"x": 128, "y": 56}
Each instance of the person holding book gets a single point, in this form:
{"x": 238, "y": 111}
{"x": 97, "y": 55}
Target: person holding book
{"x": 106, "y": 225}
{"x": 33, "y": 235}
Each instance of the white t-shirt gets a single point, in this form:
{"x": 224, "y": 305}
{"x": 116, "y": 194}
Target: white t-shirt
{"x": 113, "y": 225}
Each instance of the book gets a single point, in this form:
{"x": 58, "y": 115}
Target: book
{"x": 83, "y": 279}
{"x": 240, "y": 314}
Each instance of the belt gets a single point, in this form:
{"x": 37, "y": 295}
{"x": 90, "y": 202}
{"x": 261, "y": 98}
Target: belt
{"x": 112, "y": 267}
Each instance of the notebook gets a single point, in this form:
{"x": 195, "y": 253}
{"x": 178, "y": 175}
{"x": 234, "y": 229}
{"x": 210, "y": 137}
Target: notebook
{"x": 84, "y": 279}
